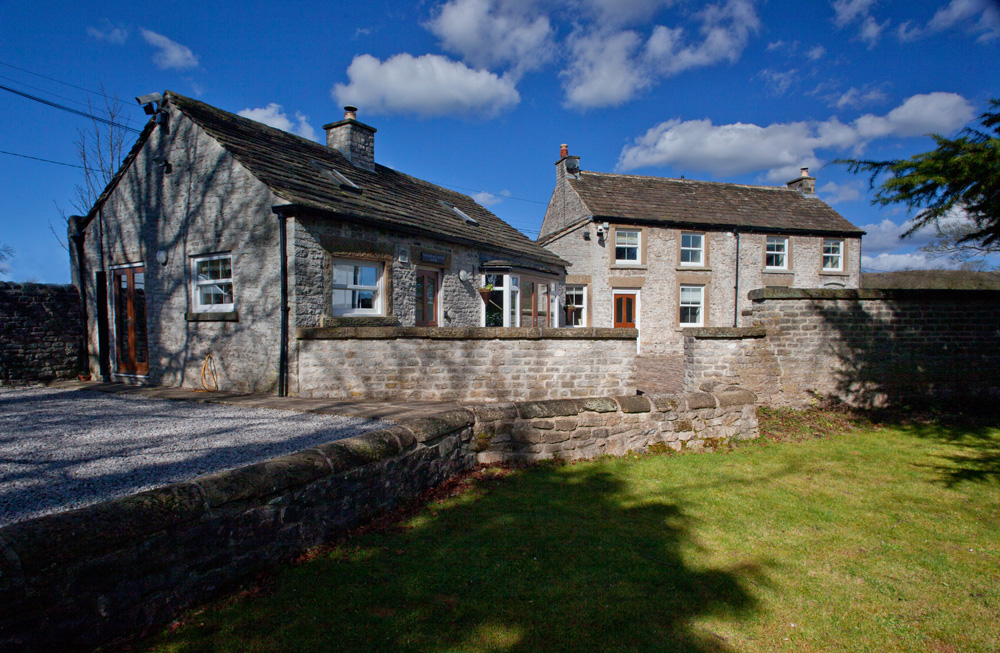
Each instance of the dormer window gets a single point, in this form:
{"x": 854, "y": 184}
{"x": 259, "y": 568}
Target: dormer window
{"x": 335, "y": 176}
{"x": 460, "y": 213}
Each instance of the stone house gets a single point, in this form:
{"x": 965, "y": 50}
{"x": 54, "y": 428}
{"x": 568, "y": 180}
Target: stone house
{"x": 221, "y": 236}
{"x": 662, "y": 255}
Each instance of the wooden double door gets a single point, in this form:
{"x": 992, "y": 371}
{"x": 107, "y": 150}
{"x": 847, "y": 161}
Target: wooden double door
{"x": 624, "y": 310}
{"x": 129, "y": 301}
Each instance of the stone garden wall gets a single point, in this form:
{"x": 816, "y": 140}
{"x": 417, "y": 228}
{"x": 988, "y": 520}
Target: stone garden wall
{"x": 86, "y": 577}
{"x": 865, "y": 347}
{"x": 471, "y": 364}
{"x": 40, "y": 332}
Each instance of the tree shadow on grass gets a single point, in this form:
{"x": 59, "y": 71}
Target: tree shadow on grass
{"x": 976, "y": 442}
{"x": 559, "y": 558}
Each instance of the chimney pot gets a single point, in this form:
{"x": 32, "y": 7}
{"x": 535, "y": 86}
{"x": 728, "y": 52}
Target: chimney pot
{"x": 804, "y": 172}
{"x": 564, "y": 150}
{"x": 350, "y": 113}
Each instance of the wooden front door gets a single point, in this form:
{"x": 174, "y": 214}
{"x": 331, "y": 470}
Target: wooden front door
{"x": 624, "y": 311}
{"x": 131, "y": 348}
{"x": 427, "y": 283}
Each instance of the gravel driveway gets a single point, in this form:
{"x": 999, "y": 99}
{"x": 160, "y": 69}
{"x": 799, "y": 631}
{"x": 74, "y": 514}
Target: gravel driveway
{"x": 62, "y": 448}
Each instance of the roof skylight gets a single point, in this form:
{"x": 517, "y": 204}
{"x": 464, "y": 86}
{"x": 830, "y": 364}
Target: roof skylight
{"x": 460, "y": 213}
{"x": 335, "y": 176}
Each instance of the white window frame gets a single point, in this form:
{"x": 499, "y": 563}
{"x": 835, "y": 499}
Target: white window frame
{"x": 377, "y": 288}
{"x": 700, "y": 249}
{"x": 700, "y": 304}
{"x": 839, "y": 255}
{"x": 782, "y": 252}
{"x": 197, "y": 284}
{"x": 582, "y": 306}
{"x": 511, "y": 289}
{"x": 637, "y": 246}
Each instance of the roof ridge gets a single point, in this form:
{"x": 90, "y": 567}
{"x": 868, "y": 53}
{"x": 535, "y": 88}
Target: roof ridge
{"x": 685, "y": 181}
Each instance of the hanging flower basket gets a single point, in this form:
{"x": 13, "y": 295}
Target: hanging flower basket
{"x": 570, "y": 310}
{"x": 485, "y": 293}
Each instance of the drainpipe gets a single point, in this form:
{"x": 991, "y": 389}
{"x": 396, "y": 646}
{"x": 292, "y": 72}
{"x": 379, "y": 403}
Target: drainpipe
{"x": 736, "y": 286}
{"x": 283, "y": 348}
{"x": 77, "y": 236}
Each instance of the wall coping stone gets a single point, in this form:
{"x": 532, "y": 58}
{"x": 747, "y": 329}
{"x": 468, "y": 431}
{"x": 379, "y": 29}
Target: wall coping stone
{"x": 730, "y": 333}
{"x": 494, "y": 412}
{"x": 550, "y": 408}
{"x": 735, "y": 397}
{"x": 891, "y": 294}
{"x": 634, "y": 404}
{"x": 696, "y": 400}
{"x": 426, "y": 429}
{"x": 463, "y": 333}
{"x": 598, "y": 404}
{"x": 30, "y": 286}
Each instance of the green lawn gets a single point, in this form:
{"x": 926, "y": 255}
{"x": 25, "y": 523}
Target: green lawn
{"x": 876, "y": 539}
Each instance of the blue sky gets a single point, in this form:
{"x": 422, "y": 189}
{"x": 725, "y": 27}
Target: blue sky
{"x": 479, "y": 94}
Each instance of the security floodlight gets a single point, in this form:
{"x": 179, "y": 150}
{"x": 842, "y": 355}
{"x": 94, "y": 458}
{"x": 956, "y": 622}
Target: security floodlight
{"x": 151, "y": 97}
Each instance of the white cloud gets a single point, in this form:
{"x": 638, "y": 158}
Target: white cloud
{"x": 778, "y": 82}
{"x": 111, "y": 33}
{"x": 905, "y": 33}
{"x": 274, "y": 115}
{"x": 857, "y": 97}
{"x": 833, "y": 193}
{"x": 848, "y": 11}
{"x": 170, "y": 55}
{"x": 725, "y": 30}
{"x": 486, "y": 199}
{"x": 977, "y": 15}
{"x": 781, "y": 148}
{"x": 429, "y": 85}
{"x": 603, "y": 71}
{"x": 895, "y": 262}
{"x": 488, "y": 33}
{"x": 625, "y": 12}
{"x": 815, "y": 53}
{"x": 609, "y": 67}
{"x": 871, "y": 31}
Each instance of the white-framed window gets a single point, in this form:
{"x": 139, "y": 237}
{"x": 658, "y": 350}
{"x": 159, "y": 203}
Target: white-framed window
{"x": 833, "y": 255}
{"x": 212, "y": 283}
{"x": 576, "y": 296}
{"x": 692, "y": 306}
{"x": 776, "y": 253}
{"x": 627, "y": 246}
{"x": 356, "y": 287}
{"x": 692, "y": 249}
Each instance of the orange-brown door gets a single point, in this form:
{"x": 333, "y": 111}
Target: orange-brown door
{"x": 624, "y": 311}
{"x": 427, "y": 283}
{"x": 131, "y": 347}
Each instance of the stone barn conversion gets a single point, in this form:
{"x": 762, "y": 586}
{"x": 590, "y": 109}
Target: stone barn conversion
{"x": 216, "y": 223}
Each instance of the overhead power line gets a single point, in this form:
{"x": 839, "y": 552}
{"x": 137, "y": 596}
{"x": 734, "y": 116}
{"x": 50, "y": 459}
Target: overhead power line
{"x": 65, "y": 108}
{"x": 53, "y": 79}
{"x": 42, "y": 90}
{"x": 35, "y": 158}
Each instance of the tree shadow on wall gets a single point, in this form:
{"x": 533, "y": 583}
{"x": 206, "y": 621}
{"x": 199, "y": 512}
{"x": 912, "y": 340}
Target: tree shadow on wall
{"x": 912, "y": 366}
{"x": 899, "y": 357}
{"x": 560, "y": 558}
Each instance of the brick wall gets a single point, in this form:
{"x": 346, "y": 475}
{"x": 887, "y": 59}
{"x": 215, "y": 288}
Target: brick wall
{"x": 463, "y": 363}
{"x": 40, "y": 332}
{"x": 82, "y": 578}
{"x": 866, "y": 347}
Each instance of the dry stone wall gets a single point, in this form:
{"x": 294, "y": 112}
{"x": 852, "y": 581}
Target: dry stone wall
{"x": 82, "y": 578}
{"x": 864, "y": 347}
{"x": 40, "y": 332}
{"x": 474, "y": 364}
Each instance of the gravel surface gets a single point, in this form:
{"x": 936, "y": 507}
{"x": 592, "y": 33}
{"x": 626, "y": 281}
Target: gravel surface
{"x": 62, "y": 449}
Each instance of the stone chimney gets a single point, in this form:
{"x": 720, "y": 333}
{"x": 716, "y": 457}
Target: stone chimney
{"x": 355, "y": 140}
{"x": 566, "y": 165}
{"x": 804, "y": 183}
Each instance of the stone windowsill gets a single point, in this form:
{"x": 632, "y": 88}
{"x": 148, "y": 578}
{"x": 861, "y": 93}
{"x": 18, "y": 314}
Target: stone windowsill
{"x": 834, "y": 273}
{"x": 777, "y": 271}
{"x": 227, "y": 316}
{"x": 692, "y": 268}
{"x": 623, "y": 266}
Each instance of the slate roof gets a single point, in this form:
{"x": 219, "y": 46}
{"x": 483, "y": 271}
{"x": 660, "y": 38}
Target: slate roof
{"x": 705, "y": 203}
{"x": 286, "y": 163}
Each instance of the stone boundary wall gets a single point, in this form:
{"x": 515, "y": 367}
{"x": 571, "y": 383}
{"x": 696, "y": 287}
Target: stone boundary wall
{"x": 86, "y": 577}
{"x": 869, "y": 348}
{"x": 473, "y": 364}
{"x": 40, "y": 332}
